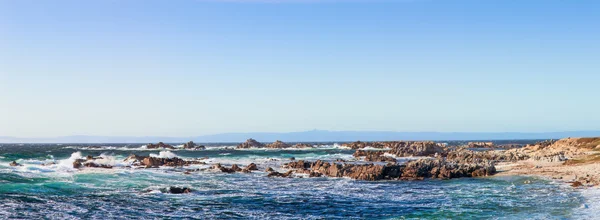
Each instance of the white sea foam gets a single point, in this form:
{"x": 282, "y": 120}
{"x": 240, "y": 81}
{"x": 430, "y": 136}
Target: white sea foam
{"x": 164, "y": 154}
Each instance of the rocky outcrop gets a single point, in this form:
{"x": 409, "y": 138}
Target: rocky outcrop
{"x": 278, "y": 145}
{"x": 269, "y": 169}
{"x": 236, "y": 168}
{"x": 374, "y": 156}
{"x": 252, "y": 166}
{"x": 443, "y": 169}
{"x": 278, "y": 174}
{"x": 413, "y": 170}
{"x": 416, "y": 148}
{"x": 193, "y": 146}
{"x": 250, "y": 143}
{"x": 159, "y": 145}
{"x": 480, "y": 145}
{"x": 403, "y": 148}
{"x": 155, "y": 162}
{"x": 469, "y": 156}
{"x": 223, "y": 169}
{"x": 14, "y": 164}
{"x": 303, "y": 145}
{"x": 89, "y": 162}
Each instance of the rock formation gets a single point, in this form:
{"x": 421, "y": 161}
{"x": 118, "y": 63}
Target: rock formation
{"x": 178, "y": 190}
{"x": 303, "y": 145}
{"x": 374, "y": 156}
{"x": 250, "y": 143}
{"x": 278, "y": 145}
{"x": 192, "y": 145}
{"x": 159, "y": 145}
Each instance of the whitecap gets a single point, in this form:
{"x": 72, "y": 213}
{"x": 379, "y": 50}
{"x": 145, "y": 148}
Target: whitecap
{"x": 164, "y": 154}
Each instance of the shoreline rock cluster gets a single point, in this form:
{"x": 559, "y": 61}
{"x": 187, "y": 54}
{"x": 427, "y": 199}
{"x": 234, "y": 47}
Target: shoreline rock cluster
{"x": 251, "y": 143}
{"x": 412, "y": 170}
{"x": 441, "y": 162}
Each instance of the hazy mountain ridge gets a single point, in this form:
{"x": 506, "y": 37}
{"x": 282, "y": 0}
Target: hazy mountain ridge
{"x": 314, "y": 135}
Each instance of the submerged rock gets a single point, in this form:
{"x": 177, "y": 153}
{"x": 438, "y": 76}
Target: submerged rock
{"x": 278, "y": 174}
{"x": 179, "y": 190}
{"x": 250, "y": 143}
{"x": 14, "y": 164}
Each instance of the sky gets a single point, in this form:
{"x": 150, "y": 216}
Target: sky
{"x": 196, "y": 67}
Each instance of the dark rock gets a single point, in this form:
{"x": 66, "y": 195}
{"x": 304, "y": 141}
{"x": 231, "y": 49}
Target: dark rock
{"x": 292, "y": 158}
{"x": 303, "y": 145}
{"x": 14, "y": 164}
{"x": 252, "y": 166}
{"x": 192, "y": 145}
{"x": 159, "y": 145}
{"x": 278, "y": 145}
{"x": 250, "y": 143}
{"x": 278, "y": 174}
{"x": 269, "y": 169}
{"x": 236, "y": 168}
{"x": 178, "y": 190}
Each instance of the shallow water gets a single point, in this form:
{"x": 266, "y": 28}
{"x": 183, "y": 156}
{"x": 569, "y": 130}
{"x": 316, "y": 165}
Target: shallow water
{"x": 58, "y": 191}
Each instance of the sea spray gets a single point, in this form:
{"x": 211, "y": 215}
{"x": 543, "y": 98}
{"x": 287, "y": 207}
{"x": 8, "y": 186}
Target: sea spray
{"x": 164, "y": 154}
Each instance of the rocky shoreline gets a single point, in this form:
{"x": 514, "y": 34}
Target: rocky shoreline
{"x": 572, "y": 160}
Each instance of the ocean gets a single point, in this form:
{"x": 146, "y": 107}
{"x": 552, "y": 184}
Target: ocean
{"x": 47, "y": 186}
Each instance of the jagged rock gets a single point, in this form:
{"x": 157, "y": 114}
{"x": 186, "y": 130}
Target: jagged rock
{"x": 95, "y": 165}
{"x": 78, "y": 163}
{"x": 278, "y": 174}
{"x": 225, "y": 169}
{"x": 14, "y": 164}
{"x": 178, "y": 190}
{"x": 443, "y": 169}
{"x": 480, "y": 145}
{"x": 292, "y": 158}
{"x": 252, "y": 166}
{"x": 373, "y": 156}
{"x": 269, "y": 169}
{"x": 192, "y": 145}
{"x": 403, "y": 148}
{"x": 159, "y": 145}
{"x": 154, "y": 162}
{"x": 303, "y": 145}
{"x": 418, "y": 169}
{"x": 236, "y": 168}
{"x": 576, "y": 184}
{"x": 278, "y": 144}
{"x": 250, "y": 143}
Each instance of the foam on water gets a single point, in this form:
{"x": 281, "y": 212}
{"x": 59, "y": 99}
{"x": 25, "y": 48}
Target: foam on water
{"x": 164, "y": 154}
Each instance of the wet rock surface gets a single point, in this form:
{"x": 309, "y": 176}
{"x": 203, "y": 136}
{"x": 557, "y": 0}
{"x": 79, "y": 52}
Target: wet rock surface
{"x": 159, "y": 145}
{"x": 193, "y": 146}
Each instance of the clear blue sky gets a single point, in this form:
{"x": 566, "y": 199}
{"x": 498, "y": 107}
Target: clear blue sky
{"x": 179, "y": 68}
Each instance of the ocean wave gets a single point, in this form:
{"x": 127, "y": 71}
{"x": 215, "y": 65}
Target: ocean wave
{"x": 164, "y": 154}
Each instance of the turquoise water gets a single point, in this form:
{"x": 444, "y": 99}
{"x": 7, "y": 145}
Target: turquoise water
{"x": 59, "y": 192}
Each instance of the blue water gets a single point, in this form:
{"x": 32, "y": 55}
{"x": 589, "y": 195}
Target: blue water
{"x": 60, "y": 192}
